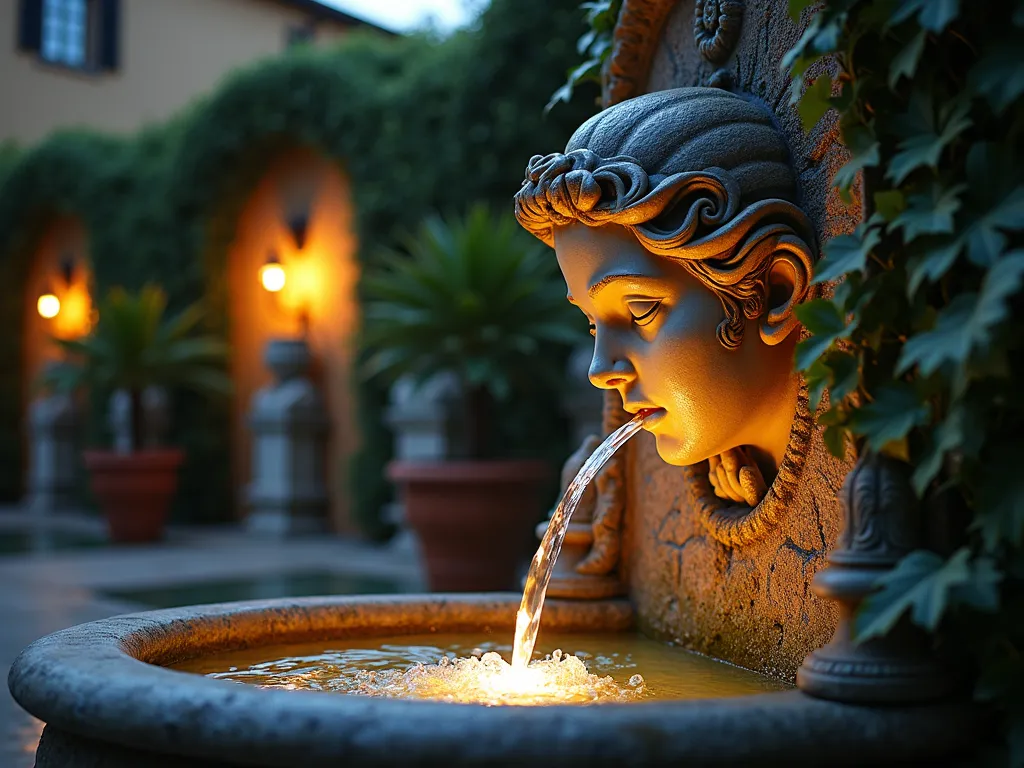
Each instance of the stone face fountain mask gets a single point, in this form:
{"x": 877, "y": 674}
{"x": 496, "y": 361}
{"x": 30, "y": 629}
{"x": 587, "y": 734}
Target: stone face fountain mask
{"x": 675, "y": 224}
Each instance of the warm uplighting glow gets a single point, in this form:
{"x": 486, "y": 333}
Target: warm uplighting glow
{"x": 48, "y": 306}
{"x": 484, "y": 679}
{"x": 272, "y": 276}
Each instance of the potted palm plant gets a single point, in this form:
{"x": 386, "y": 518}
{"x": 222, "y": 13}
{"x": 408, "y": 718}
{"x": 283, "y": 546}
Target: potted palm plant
{"x": 131, "y": 348}
{"x": 477, "y": 298}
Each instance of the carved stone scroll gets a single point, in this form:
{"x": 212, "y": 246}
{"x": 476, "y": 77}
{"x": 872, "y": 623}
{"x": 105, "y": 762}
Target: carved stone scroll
{"x": 716, "y": 28}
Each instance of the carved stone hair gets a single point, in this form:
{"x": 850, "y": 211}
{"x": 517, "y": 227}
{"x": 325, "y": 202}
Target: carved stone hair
{"x": 700, "y": 176}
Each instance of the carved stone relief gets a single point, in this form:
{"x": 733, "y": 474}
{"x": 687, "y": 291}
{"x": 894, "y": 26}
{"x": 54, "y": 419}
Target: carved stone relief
{"x": 716, "y": 28}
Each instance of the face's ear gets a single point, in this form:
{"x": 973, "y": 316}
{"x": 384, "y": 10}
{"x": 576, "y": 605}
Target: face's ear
{"x": 787, "y": 284}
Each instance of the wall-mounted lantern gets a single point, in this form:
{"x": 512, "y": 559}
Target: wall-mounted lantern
{"x": 272, "y": 274}
{"x": 297, "y": 192}
{"x": 298, "y": 225}
{"x": 48, "y": 304}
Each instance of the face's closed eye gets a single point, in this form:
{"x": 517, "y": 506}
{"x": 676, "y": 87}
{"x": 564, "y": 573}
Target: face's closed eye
{"x": 643, "y": 310}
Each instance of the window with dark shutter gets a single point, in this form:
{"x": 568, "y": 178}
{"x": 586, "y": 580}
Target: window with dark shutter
{"x": 81, "y": 34}
{"x": 30, "y": 25}
{"x": 66, "y": 32}
{"x": 109, "y": 34}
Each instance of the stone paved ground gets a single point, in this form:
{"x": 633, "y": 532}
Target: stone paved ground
{"x": 42, "y": 592}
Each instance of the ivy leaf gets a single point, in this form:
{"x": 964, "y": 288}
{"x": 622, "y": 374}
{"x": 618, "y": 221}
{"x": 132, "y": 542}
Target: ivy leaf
{"x": 985, "y": 241}
{"x": 929, "y": 213}
{"x": 959, "y": 430}
{"x": 933, "y": 15}
{"x": 925, "y": 139}
{"x": 816, "y": 376}
{"x": 826, "y": 322}
{"x": 895, "y": 411}
{"x": 838, "y": 371}
{"x": 995, "y": 200}
{"x": 932, "y": 261}
{"x": 834, "y": 438}
{"x": 964, "y": 325}
{"x": 846, "y": 253}
{"x": 796, "y": 7}
{"x": 904, "y": 63}
{"x": 815, "y": 102}
{"x": 864, "y": 153}
{"x": 890, "y": 203}
{"x": 563, "y": 94}
{"x": 845, "y": 375}
{"x": 998, "y": 75}
{"x": 981, "y": 592}
{"x": 921, "y": 583}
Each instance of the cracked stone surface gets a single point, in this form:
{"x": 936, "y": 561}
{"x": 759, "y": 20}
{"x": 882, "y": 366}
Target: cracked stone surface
{"x": 751, "y": 605}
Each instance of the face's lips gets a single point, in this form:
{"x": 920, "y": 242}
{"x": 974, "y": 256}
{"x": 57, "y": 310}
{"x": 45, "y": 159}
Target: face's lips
{"x": 650, "y": 413}
{"x": 640, "y": 406}
{"x": 652, "y": 416}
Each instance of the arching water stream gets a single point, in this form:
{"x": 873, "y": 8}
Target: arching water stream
{"x": 530, "y": 610}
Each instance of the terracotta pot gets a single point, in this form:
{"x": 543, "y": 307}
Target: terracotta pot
{"x": 134, "y": 490}
{"x": 474, "y": 519}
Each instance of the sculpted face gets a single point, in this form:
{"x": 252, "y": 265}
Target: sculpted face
{"x": 655, "y": 344}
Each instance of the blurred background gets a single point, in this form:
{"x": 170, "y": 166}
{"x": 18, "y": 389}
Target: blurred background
{"x": 261, "y": 281}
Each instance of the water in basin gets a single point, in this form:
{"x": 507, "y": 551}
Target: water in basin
{"x": 407, "y": 667}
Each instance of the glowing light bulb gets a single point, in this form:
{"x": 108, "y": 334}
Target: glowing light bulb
{"x": 272, "y": 277}
{"x": 48, "y": 306}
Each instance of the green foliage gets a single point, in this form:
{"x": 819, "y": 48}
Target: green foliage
{"x": 924, "y": 584}
{"x": 416, "y": 125}
{"x": 920, "y": 343}
{"x": 133, "y": 346}
{"x": 476, "y": 296}
{"x": 594, "y": 46}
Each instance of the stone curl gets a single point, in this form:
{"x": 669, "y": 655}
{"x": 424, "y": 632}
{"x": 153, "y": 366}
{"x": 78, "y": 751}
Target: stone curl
{"x": 692, "y": 217}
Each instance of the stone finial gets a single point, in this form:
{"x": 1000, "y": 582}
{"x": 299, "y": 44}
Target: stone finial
{"x": 287, "y": 494}
{"x": 883, "y": 523}
{"x": 53, "y": 427}
{"x": 423, "y": 417}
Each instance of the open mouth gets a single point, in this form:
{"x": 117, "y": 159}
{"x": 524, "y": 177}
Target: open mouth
{"x": 652, "y": 416}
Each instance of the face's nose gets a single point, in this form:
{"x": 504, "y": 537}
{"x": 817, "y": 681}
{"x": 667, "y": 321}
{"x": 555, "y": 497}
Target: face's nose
{"x": 610, "y": 369}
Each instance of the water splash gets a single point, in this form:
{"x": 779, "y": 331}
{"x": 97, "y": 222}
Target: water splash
{"x": 528, "y": 618}
{"x": 482, "y": 678}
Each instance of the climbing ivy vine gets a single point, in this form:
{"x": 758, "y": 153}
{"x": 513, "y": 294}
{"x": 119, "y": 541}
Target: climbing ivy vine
{"x": 594, "y": 45}
{"x": 920, "y": 345}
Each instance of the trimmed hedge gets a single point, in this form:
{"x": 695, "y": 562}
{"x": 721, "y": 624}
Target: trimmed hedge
{"x": 416, "y": 125}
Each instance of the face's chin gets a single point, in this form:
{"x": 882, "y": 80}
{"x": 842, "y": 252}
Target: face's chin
{"x": 673, "y": 447}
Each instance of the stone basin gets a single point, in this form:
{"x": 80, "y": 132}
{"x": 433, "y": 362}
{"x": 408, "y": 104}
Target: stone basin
{"x": 109, "y": 702}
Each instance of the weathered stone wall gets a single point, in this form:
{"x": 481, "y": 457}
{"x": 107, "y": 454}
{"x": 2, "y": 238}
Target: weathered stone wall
{"x": 749, "y": 604}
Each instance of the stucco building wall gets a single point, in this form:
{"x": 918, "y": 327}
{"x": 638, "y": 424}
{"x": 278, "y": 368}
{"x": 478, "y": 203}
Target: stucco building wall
{"x": 171, "y": 51}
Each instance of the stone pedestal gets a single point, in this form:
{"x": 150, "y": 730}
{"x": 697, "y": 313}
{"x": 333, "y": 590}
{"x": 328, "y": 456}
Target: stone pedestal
{"x": 53, "y": 425}
{"x": 287, "y": 494}
{"x": 883, "y": 524}
{"x": 423, "y": 419}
